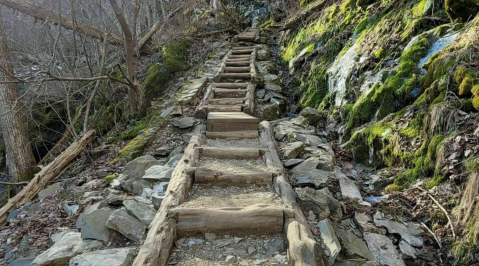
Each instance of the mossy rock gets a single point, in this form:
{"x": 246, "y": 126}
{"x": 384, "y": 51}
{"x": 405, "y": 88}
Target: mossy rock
{"x": 174, "y": 54}
{"x": 110, "y": 178}
{"x": 155, "y": 82}
{"x": 461, "y": 10}
{"x": 104, "y": 120}
{"x": 475, "y": 90}
{"x": 475, "y": 102}
{"x": 133, "y": 131}
{"x": 462, "y": 72}
{"x": 466, "y": 86}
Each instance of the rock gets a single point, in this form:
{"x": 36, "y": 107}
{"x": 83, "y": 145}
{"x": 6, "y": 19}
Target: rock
{"x": 300, "y": 121}
{"x": 174, "y": 160}
{"x": 310, "y": 140}
{"x": 230, "y": 259}
{"x": 325, "y": 162}
{"x": 93, "y": 224}
{"x": 184, "y": 123}
{"x": 270, "y": 112}
{"x": 49, "y": 191}
{"x": 157, "y": 199}
{"x": 263, "y": 55}
{"x": 126, "y": 225}
{"x": 27, "y": 261}
{"x": 292, "y": 162}
{"x": 13, "y": 214}
{"x": 461, "y": 11}
{"x": 407, "y": 249}
{"x": 349, "y": 189}
{"x": 280, "y": 102}
{"x": 158, "y": 173}
{"x": 57, "y": 236}
{"x": 397, "y": 228}
{"x": 292, "y": 150}
{"x": 224, "y": 242}
{"x": 260, "y": 94}
{"x": 265, "y": 67}
{"x": 313, "y": 116}
{"x": 383, "y": 250}
{"x": 163, "y": 151}
{"x": 89, "y": 197}
{"x": 111, "y": 192}
{"x": 110, "y": 257}
{"x": 320, "y": 202}
{"x": 307, "y": 174}
{"x": 272, "y": 79}
{"x": 353, "y": 244}
{"x": 143, "y": 212}
{"x": 30, "y": 207}
{"x": 329, "y": 239}
{"x": 161, "y": 188}
{"x": 135, "y": 170}
{"x": 272, "y": 87}
{"x": 115, "y": 200}
{"x": 167, "y": 112}
{"x": 71, "y": 209}
{"x": 70, "y": 245}
{"x": 142, "y": 187}
{"x": 378, "y": 182}
{"x": 210, "y": 236}
{"x": 281, "y": 259}
{"x": 273, "y": 246}
{"x": 365, "y": 224}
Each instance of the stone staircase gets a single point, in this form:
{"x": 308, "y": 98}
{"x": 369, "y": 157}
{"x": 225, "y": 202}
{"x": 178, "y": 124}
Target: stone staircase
{"x": 228, "y": 200}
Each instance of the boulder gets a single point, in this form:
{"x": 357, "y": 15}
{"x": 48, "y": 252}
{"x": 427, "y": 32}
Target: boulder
{"x": 263, "y": 55}
{"x": 50, "y": 190}
{"x": 353, "y": 244}
{"x": 143, "y": 212}
{"x": 161, "y": 188}
{"x": 365, "y": 224}
{"x": 70, "y": 245}
{"x": 265, "y": 67}
{"x": 320, "y": 202}
{"x": 135, "y": 170}
{"x": 110, "y": 257}
{"x": 260, "y": 93}
{"x": 330, "y": 240}
{"x": 173, "y": 161}
{"x": 349, "y": 189}
{"x": 397, "y": 228}
{"x": 140, "y": 186}
{"x": 292, "y": 150}
{"x": 273, "y": 79}
{"x": 163, "y": 151}
{"x": 158, "y": 173}
{"x": 292, "y": 162}
{"x": 307, "y": 174}
{"x": 184, "y": 123}
{"x": 313, "y": 116}
{"x": 93, "y": 224}
{"x": 280, "y": 102}
{"x": 157, "y": 199}
{"x": 126, "y": 225}
{"x": 272, "y": 87}
{"x": 383, "y": 250}
{"x": 300, "y": 121}
{"x": 270, "y": 112}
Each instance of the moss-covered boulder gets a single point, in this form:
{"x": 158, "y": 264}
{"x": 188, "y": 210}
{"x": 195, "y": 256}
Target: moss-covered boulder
{"x": 155, "y": 81}
{"x": 174, "y": 54}
{"x": 462, "y": 10}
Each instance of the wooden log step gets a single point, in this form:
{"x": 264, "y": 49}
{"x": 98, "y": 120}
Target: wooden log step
{"x": 226, "y": 101}
{"x": 247, "y": 134}
{"x": 242, "y": 56}
{"x": 244, "y": 69}
{"x": 218, "y": 178}
{"x": 236, "y": 153}
{"x": 243, "y": 63}
{"x": 223, "y": 108}
{"x": 227, "y": 85}
{"x": 236, "y": 75}
{"x": 231, "y": 122}
{"x": 229, "y": 93}
{"x": 248, "y": 38}
{"x": 241, "y": 52}
{"x": 236, "y": 48}
{"x": 256, "y": 219}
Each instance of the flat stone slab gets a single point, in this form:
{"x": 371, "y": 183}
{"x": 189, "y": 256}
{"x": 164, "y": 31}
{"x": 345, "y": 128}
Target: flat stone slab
{"x": 158, "y": 173}
{"x": 330, "y": 240}
{"x": 383, "y": 250}
{"x": 292, "y": 162}
{"x": 353, "y": 244}
{"x": 184, "y": 123}
{"x": 143, "y": 212}
{"x": 110, "y": 257}
{"x": 394, "y": 227}
{"x": 126, "y": 225}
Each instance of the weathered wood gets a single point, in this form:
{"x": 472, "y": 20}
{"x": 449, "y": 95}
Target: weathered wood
{"x": 201, "y": 112}
{"x": 159, "y": 241}
{"x": 230, "y": 85}
{"x": 260, "y": 219}
{"x": 207, "y": 176}
{"x": 242, "y": 51}
{"x": 249, "y": 108}
{"x": 240, "y": 56}
{"x": 243, "y": 63}
{"x": 226, "y": 101}
{"x": 229, "y": 93}
{"x": 254, "y": 74}
{"x": 237, "y": 69}
{"x": 46, "y": 175}
{"x": 303, "y": 249}
{"x": 247, "y": 134}
{"x": 243, "y": 47}
{"x": 230, "y": 152}
{"x": 237, "y": 60}
{"x": 223, "y": 108}
{"x": 247, "y": 38}
{"x": 236, "y": 75}
{"x": 234, "y": 121}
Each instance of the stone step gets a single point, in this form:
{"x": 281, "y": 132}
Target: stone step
{"x": 236, "y": 153}
{"x": 206, "y": 176}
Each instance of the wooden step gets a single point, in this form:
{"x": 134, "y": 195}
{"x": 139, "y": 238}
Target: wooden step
{"x": 244, "y": 63}
{"x": 235, "y": 153}
{"x": 226, "y": 101}
{"x": 211, "y": 177}
{"x": 237, "y": 69}
{"x": 231, "y": 121}
{"x": 226, "y": 85}
{"x": 242, "y": 51}
{"x": 236, "y": 75}
{"x": 240, "y": 56}
{"x": 256, "y": 219}
{"x": 239, "y": 48}
{"x": 229, "y": 93}
{"x": 223, "y": 108}
{"x": 247, "y": 134}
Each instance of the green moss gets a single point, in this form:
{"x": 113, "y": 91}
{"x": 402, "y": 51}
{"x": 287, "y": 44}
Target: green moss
{"x": 133, "y": 130}
{"x": 348, "y": 5}
{"x": 475, "y": 90}
{"x": 461, "y": 10}
{"x": 110, "y": 178}
{"x": 104, "y": 120}
{"x": 155, "y": 82}
{"x": 435, "y": 181}
{"x": 364, "y": 2}
{"x": 466, "y": 86}
{"x": 174, "y": 54}
{"x": 475, "y": 102}
{"x": 380, "y": 53}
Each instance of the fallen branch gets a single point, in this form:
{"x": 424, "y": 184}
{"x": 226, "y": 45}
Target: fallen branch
{"x": 14, "y": 183}
{"x": 432, "y": 233}
{"x": 47, "y": 174}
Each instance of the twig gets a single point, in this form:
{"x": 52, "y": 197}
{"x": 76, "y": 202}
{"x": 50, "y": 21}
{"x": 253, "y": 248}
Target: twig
{"x": 432, "y": 233}
{"x": 14, "y": 183}
{"x": 442, "y": 208}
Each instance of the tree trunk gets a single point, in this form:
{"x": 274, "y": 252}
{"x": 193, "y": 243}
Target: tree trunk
{"x": 50, "y": 16}
{"x": 20, "y": 160}
{"x": 137, "y": 102}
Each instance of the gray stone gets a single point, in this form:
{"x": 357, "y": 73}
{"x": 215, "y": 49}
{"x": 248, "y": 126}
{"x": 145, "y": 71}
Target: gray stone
{"x": 210, "y": 236}
{"x": 13, "y": 214}
{"x": 300, "y": 121}
{"x": 292, "y": 162}
{"x": 161, "y": 188}
{"x": 365, "y": 224}
{"x": 330, "y": 240}
{"x": 163, "y": 151}
{"x": 184, "y": 123}
{"x": 167, "y": 111}
{"x": 260, "y": 94}
{"x": 158, "y": 173}
{"x": 230, "y": 259}
{"x": 320, "y": 202}
{"x": 71, "y": 209}
{"x": 272, "y": 87}
{"x": 397, "y": 228}
{"x": 265, "y": 67}
{"x": 139, "y": 186}
{"x": 224, "y": 242}
{"x": 57, "y": 236}
{"x": 70, "y": 245}
{"x": 383, "y": 250}
{"x": 280, "y": 102}
{"x": 174, "y": 160}
{"x": 313, "y": 116}
{"x": 307, "y": 174}
{"x": 292, "y": 150}
{"x": 349, "y": 189}
{"x": 157, "y": 199}
{"x": 93, "y": 225}
{"x": 143, "y": 212}
{"x": 273, "y": 246}
{"x": 126, "y": 225}
{"x": 407, "y": 249}
{"x": 110, "y": 257}
{"x": 263, "y": 55}
{"x": 135, "y": 169}
{"x": 147, "y": 192}
{"x": 270, "y": 112}
{"x": 89, "y": 197}
{"x": 27, "y": 261}
{"x": 49, "y": 191}
{"x": 273, "y": 79}
{"x": 115, "y": 200}
{"x": 111, "y": 192}
{"x": 31, "y": 207}
{"x": 353, "y": 244}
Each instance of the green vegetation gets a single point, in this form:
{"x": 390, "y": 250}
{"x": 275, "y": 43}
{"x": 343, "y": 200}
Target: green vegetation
{"x": 174, "y": 54}
{"x": 462, "y": 10}
{"x": 110, "y": 178}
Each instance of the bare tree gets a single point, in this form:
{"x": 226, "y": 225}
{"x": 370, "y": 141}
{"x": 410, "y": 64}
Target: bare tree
{"x": 20, "y": 160}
